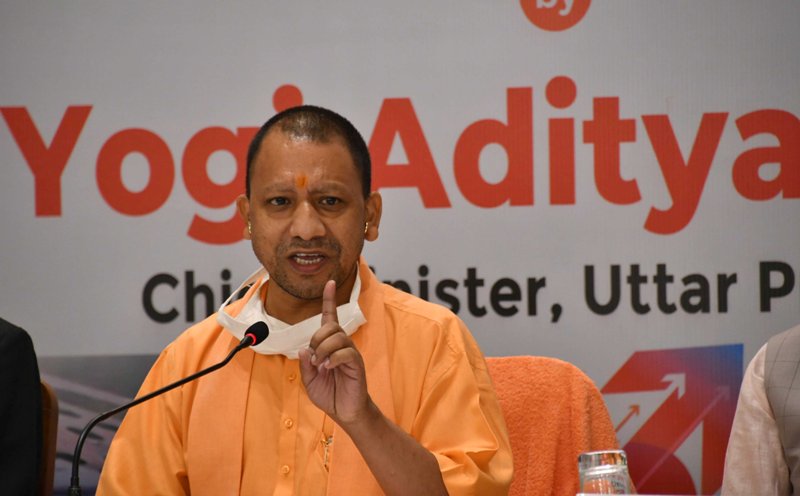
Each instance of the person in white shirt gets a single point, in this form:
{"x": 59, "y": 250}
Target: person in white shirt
{"x": 763, "y": 456}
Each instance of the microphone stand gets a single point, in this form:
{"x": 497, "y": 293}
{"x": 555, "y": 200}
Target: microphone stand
{"x": 75, "y": 486}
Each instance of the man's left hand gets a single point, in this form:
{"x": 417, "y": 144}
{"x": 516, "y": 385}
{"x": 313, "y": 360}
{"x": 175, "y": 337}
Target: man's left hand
{"x": 333, "y": 369}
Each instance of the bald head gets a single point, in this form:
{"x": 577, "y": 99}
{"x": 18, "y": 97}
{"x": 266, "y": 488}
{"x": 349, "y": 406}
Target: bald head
{"x": 317, "y": 125}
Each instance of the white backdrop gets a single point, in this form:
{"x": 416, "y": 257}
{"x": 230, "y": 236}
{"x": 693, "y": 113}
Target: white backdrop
{"x": 699, "y": 82}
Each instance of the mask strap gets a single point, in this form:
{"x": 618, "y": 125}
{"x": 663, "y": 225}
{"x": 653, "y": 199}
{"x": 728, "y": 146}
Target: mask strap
{"x": 253, "y": 278}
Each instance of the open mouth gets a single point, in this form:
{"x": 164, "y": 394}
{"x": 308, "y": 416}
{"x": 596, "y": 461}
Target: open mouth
{"x": 307, "y": 259}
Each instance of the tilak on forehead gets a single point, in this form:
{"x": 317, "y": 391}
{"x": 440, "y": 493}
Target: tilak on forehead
{"x": 301, "y": 180}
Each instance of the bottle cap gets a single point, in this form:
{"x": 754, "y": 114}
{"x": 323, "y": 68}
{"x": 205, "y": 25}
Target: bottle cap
{"x": 598, "y": 458}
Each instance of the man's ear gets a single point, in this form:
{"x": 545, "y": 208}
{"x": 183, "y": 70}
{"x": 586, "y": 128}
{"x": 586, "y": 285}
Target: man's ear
{"x": 243, "y": 207}
{"x": 374, "y": 206}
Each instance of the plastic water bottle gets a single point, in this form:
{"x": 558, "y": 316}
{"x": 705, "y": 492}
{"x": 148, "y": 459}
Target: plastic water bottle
{"x": 604, "y": 472}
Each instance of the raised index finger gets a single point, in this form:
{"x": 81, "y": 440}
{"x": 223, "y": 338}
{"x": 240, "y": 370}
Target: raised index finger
{"x": 329, "y": 314}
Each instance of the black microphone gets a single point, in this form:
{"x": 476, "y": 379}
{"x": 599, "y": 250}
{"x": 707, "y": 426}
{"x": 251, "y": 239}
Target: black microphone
{"x": 254, "y": 335}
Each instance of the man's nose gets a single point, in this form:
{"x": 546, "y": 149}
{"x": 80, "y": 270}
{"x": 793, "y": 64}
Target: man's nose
{"x": 306, "y": 222}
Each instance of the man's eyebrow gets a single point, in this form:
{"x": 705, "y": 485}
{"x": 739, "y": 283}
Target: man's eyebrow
{"x": 328, "y": 186}
{"x": 291, "y": 186}
{"x": 279, "y": 187}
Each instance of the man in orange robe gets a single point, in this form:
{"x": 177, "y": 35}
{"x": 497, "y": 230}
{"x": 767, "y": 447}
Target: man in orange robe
{"x": 360, "y": 388}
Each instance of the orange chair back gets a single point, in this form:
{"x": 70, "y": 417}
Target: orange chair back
{"x": 553, "y": 412}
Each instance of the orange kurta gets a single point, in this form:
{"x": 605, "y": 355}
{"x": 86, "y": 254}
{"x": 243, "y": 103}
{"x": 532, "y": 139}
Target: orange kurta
{"x": 249, "y": 428}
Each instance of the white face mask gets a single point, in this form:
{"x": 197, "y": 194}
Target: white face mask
{"x": 285, "y": 339}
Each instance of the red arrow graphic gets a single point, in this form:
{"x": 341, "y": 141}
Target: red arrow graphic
{"x": 723, "y": 392}
{"x": 634, "y": 410}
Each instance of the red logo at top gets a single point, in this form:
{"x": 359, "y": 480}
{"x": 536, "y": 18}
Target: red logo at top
{"x": 555, "y": 15}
